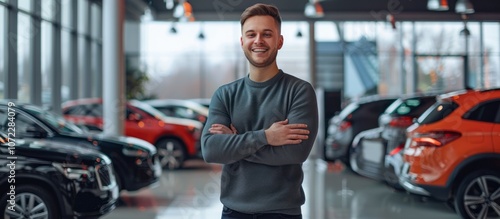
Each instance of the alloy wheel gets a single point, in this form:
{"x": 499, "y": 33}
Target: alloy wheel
{"x": 171, "y": 153}
{"x": 28, "y": 205}
{"x": 478, "y": 196}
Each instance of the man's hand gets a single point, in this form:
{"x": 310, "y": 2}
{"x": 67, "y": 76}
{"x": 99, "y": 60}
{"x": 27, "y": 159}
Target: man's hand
{"x": 282, "y": 133}
{"x": 222, "y": 129}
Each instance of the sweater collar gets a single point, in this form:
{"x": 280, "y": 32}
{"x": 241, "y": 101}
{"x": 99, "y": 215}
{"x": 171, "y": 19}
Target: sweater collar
{"x": 265, "y": 83}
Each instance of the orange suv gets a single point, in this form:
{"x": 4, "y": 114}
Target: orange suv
{"x": 175, "y": 139}
{"x": 452, "y": 153}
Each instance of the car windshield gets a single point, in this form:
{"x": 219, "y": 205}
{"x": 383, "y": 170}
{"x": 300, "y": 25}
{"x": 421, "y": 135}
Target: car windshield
{"x": 410, "y": 107}
{"x": 57, "y": 122}
{"x": 437, "y": 112}
{"x": 147, "y": 108}
{"x": 393, "y": 106}
{"x": 348, "y": 110}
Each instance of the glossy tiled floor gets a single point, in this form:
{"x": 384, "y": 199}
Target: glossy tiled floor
{"x": 331, "y": 191}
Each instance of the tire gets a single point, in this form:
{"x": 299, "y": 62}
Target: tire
{"x": 45, "y": 204}
{"x": 171, "y": 153}
{"x": 478, "y": 195}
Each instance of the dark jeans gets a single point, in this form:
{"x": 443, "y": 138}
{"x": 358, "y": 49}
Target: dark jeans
{"x": 228, "y": 213}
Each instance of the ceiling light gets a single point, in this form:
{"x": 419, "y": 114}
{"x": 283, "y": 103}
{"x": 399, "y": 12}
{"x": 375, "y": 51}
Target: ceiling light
{"x": 464, "y": 7}
{"x": 184, "y": 11}
{"x": 314, "y": 9}
{"x": 465, "y": 32}
{"x": 169, "y": 4}
{"x": 437, "y": 5}
{"x": 299, "y": 33}
{"x": 172, "y": 29}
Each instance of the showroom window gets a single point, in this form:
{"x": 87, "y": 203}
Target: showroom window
{"x": 24, "y": 5}
{"x": 49, "y": 9}
{"x": 47, "y": 57}
{"x": 2, "y": 50}
{"x": 491, "y": 61}
{"x": 24, "y": 34}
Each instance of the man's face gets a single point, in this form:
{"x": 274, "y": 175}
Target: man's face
{"x": 261, "y": 40}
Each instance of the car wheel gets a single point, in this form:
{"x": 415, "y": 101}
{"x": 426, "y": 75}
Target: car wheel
{"x": 31, "y": 202}
{"x": 171, "y": 153}
{"x": 478, "y": 195}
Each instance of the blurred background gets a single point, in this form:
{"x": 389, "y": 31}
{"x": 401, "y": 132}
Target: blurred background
{"x": 146, "y": 69}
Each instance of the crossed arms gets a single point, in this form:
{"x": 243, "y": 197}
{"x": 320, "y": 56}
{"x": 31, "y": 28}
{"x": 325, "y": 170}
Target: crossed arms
{"x": 282, "y": 143}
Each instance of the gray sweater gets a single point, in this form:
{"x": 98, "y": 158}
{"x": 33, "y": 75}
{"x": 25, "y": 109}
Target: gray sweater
{"x": 257, "y": 177}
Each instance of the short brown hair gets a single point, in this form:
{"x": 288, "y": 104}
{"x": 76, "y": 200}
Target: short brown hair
{"x": 262, "y": 9}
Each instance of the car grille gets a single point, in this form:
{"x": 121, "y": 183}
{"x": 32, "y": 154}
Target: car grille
{"x": 105, "y": 177}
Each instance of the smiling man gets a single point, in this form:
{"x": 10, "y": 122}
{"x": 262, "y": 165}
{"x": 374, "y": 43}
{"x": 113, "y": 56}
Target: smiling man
{"x": 261, "y": 127}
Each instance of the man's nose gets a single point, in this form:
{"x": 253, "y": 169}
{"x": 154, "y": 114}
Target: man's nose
{"x": 258, "y": 39}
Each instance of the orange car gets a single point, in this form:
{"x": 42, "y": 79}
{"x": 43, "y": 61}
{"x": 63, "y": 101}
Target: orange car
{"x": 452, "y": 153}
{"x": 176, "y": 139}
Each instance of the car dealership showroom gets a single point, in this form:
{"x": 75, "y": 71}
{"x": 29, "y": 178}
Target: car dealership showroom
{"x": 108, "y": 109}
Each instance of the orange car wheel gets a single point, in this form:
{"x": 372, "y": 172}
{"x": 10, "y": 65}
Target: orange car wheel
{"x": 478, "y": 195}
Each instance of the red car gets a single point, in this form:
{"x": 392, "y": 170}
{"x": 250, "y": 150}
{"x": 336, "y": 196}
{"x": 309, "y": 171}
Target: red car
{"x": 176, "y": 139}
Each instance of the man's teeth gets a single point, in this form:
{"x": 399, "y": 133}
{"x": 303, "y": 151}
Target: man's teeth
{"x": 259, "y": 50}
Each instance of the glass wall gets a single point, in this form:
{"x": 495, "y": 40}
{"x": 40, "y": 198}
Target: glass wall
{"x": 3, "y": 39}
{"x": 24, "y": 33}
{"x": 31, "y": 36}
{"x": 46, "y": 61}
{"x": 490, "y": 67}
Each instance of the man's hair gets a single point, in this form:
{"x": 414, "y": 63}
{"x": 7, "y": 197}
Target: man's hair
{"x": 262, "y": 9}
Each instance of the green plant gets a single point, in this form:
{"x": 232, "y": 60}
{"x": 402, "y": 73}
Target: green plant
{"x": 136, "y": 80}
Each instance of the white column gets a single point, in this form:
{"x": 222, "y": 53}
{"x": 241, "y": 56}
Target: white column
{"x": 113, "y": 67}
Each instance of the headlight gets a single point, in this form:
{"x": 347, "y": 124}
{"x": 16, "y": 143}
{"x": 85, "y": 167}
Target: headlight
{"x": 81, "y": 173}
{"x": 135, "y": 152}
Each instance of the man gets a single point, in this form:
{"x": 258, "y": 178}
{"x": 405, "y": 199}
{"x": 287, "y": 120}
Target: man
{"x": 261, "y": 127}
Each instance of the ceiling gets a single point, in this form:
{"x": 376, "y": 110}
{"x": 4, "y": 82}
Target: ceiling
{"x": 339, "y": 10}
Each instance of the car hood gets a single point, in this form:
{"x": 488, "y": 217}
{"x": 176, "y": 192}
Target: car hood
{"x": 180, "y": 121}
{"x": 130, "y": 141}
{"x": 56, "y": 151}
{"x": 123, "y": 141}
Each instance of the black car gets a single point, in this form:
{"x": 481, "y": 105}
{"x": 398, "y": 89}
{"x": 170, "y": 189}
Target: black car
{"x": 356, "y": 117}
{"x": 53, "y": 180}
{"x": 373, "y": 151}
{"x": 135, "y": 161}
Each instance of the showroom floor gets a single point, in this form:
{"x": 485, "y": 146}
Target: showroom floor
{"x": 331, "y": 193}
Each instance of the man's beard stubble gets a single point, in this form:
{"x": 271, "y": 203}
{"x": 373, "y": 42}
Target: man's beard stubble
{"x": 266, "y": 62}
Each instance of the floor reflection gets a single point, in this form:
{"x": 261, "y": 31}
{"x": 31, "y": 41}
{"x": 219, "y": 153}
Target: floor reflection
{"x": 331, "y": 193}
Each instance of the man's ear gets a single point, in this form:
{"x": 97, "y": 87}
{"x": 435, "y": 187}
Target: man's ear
{"x": 280, "y": 42}
{"x": 241, "y": 41}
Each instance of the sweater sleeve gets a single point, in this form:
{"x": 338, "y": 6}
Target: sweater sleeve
{"x": 304, "y": 110}
{"x": 227, "y": 148}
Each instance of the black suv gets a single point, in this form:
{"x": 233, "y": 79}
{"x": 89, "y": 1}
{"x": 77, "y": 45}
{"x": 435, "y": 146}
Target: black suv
{"x": 45, "y": 178}
{"x": 135, "y": 161}
{"x": 356, "y": 117}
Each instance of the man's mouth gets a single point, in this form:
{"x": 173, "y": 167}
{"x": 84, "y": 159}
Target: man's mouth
{"x": 259, "y": 50}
